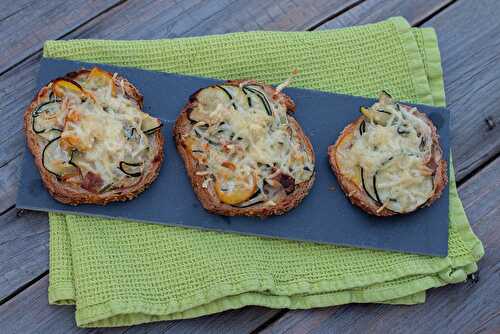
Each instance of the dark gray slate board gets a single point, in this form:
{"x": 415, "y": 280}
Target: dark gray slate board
{"x": 325, "y": 215}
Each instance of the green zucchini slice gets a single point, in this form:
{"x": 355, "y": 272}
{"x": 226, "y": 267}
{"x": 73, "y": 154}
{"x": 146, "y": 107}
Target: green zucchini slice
{"x": 208, "y": 99}
{"x": 362, "y": 127}
{"x": 45, "y": 117}
{"x": 56, "y": 160}
{"x": 150, "y": 125}
{"x": 378, "y": 116}
{"x": 261, "y": 96}
{"x": 385, "y": 98}
{"x": 130, "y": 168}
{"x": 368, "y": 185}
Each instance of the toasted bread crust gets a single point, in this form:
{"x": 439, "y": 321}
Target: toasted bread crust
{"x": 360, "y": 198}
{"x": 74, "y": 195}
{"x": 207, "y": 196}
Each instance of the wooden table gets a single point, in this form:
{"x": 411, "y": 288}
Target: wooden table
{"x": 468, "y": 34}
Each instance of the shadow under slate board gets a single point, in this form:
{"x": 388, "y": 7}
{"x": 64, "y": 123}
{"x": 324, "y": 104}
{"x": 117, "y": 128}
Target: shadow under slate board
{"x": 324, "y": 216}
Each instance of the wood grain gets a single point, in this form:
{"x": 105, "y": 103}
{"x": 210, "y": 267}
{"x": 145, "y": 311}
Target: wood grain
{"x": 25, "y": 26}
{"x": 8, "y": 180}
{"x": 371, "y": 11}
{"x": 29, "y": 312}
{"x": 23, "y": 249}
{"x": 160, "y": 19}
{"x": 458, "y": 308}
{"x": 468, "y": 33}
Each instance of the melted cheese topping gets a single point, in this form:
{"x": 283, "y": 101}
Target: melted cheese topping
{"x": 100, "y": 128}
{"x": 248, "y": 149}
{"x": 387, "y": 156}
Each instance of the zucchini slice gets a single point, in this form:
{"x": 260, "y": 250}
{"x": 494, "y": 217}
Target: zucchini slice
{"x": 385, "y": 98}
{"x": 225, "y": 91}
{"x": 150, "y": 124}
{"x": 130, "y": 132}
{"x": 130, "y": 168}
{"x": 262, "y": 97}
{"x": 378, "y": 116}
{"x": 362, "y": 127}
{"x": 44, "y": 117}
{"x": 208, "y": 99}
{"x": 56, "y": 160}
{"x": 368, "y": 185}
{"x": 229, "y": 95}
{"x": 395, "y": 194}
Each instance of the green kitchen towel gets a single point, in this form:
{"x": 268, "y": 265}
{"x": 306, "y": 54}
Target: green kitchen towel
{"x": 123, "y": 273}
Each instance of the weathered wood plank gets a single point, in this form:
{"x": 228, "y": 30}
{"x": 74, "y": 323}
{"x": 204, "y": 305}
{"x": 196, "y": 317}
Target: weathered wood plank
{"x": 9, "y": 8}
{"x": 19, "y": 316}
{"x": 467, "y": 31}
{"x": 151, "y": 20}
{"x": 29, "y": 312}
{"x": 460, "y": 308}
{"x": 216, "y": 17}
{"x": 9, "y": 172}
{"x": 23, "y": 249}
{"x": 29, "y": 24}
{"x": 371, "y": 11}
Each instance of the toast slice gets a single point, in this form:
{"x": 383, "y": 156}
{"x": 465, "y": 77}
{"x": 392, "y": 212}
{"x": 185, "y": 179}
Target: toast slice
{"x": 244, "y": 152}
{"x": 389, "y": 161}
{"x": 90, "y": 139}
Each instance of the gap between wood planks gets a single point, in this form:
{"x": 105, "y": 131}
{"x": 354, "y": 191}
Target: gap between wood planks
{"x": 476, "y": 170}
{"x": 23, "y": 287}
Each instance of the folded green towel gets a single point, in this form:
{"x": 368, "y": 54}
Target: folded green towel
{"x": 123, "y": 273}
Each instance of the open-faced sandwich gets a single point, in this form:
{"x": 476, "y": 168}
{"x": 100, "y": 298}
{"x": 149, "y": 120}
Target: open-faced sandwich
{"x": 244, "y": 152}
{"x": 389, "y": 161}
{"x": 91, "y": 141}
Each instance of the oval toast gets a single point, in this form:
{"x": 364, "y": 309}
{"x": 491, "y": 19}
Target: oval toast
{"x": 389, "y": 161}
{"x": 244, "y": 152}
{"x": 90, "y": 139}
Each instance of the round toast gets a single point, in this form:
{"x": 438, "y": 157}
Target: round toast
{"x": 271, "y": 186}
{"x": 91, "y": 141}
{"x": 385, "y": 192}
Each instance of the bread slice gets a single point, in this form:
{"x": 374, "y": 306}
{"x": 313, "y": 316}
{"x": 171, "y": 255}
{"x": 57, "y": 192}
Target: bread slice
{"x": 90, "y": 140}
{"x": 389, "y": 161}
{"x": 232, "y": 138}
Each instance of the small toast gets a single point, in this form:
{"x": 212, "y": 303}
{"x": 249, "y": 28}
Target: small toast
{"x": 389, "y": 161}
{"x": 243, "y": 151}
{"x": 90, "y": 139}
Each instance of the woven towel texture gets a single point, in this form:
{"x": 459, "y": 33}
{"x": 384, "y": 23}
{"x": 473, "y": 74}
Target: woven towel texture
{"x": 123, "y": 273}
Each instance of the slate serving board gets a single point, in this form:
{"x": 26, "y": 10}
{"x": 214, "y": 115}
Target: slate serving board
{"x": 325, "y": 215}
